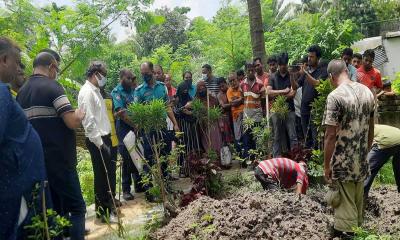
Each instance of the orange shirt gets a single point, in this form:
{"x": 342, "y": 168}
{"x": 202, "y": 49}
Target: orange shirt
{"x": 371, "y": 79}
{"x": 233, "y": 94}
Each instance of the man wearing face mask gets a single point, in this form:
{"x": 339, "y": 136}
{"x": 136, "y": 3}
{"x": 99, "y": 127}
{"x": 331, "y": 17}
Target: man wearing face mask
{"x": 144, "y": 93}
{"x": 98, "y": 139}
{"x": 210, "y": 80}
{"x": 51, "y": 114}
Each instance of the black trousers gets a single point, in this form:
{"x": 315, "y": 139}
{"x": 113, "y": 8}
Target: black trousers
{"x": 103, "y": 199}
{"x": 266, "y": 182}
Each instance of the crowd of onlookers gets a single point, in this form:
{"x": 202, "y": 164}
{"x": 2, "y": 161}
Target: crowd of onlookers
{"x": 38, "y": 122}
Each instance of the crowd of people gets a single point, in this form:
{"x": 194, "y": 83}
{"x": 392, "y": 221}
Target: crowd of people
{"x": 38, "y": 144}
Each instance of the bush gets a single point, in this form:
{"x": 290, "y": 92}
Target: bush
{"x": 85, "y": 172}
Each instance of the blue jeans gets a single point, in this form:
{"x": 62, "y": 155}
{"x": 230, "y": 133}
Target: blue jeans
{"x": 68, "y": 200}
{"x": 281, "y": 127}
{"x": 377, "y": 158}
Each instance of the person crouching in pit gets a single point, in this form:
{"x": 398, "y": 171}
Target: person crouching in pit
{"x": 282, "y": 173}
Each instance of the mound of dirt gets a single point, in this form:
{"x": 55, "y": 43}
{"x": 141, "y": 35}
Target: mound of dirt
{"x": 274, "y": 215}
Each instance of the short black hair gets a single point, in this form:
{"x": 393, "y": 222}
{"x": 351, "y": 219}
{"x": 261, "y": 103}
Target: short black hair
{"x": 95, "y": 66}
{"x": 257, "y": 59}
{"x": 7, "y": 45}
{"x": 150, "y": 64}
{"x": 357, "y": 55}
{"x": 347, "y": 52}
{"x": 52, "y": 52}
{"x": 369, "y": 53}
{"x": 387, "y": 84}
{"x": 315, "y": 49}
{"x": 272, "y": 59}
{"x": 283, "y": 58}
{"x": 185, "y": 72}
{"x": 207, "y": 66}
{"x": 43, "y": 59}
{"x": 159, "y": 66}
{"x": 124, "y": 72}
{"x": 248, "y": 65}
{"x": 221, "y": 80}
{"x": 304, "y": 59}
{"x": 240, "y": 72}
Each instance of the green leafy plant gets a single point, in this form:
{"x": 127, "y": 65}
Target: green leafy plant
{"x": 280, "y": 106}
{"x": 85, "y": 173}
{"x": 148, "y": 117}
{"x": 396, "y": 84}
{"x": 363, "y": 234}
{"x": 316, "y": 163}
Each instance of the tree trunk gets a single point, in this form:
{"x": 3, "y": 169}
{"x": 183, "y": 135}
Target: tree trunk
{"x": 256, "y": 30}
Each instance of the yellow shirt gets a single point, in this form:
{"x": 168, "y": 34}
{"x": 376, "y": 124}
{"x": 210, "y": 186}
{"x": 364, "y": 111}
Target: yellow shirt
{"x": 109, "y": 106}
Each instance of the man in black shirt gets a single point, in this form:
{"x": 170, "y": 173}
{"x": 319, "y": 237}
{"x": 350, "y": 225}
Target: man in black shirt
{"x": 280, "y": 85}
{"x": 51, "y": 114}
{"x": 308, "y": 80}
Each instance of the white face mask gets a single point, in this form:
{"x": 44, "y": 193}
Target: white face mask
{"x": 102, "y": 81}
{"x": 204, "y": 76}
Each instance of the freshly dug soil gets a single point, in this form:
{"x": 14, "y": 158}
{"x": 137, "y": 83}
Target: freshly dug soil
{"x": 274, "y": 215}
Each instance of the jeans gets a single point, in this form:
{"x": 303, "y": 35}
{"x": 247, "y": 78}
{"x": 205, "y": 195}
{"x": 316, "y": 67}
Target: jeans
{"x": 309, "y": 131}
{"x": 68, "y": 200}
{"x": 377, "y": 158}
{"x": 266, "y": 182}
{"x": 129, "y": 171}
{"x": 281, "y": 127}
{"x": 103, "y": 196}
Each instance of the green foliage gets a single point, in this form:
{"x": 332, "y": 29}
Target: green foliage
{"x": 396, "y": 84}
{"x": 38, "y": 225}
{"x": 280, "y": 106}
{"x": 386, "y": 9}
{"x": 316, "y": 163}
{"x": 202, "y": 115}
{"x": 262, "y": 136}
{"x": 85, "y": 172}
{"x": 386, "y": 175}
{"x": 319, "y": 104}
{"x": 363, "y": 234}
{"x": 71, "y": 88}
{"x": 149, "y": 116}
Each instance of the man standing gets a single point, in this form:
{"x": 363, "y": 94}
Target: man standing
{"x": 308, "y": 81}
{"x": 357, "y": 60}
{"x": 210, "y": 80}
{"x": 17, "y": 83}
{"x": 348, "y": 137}
{"x": 272, "y": 64}
{"x": 98, "y": 140}
{"x": 252, "y": 92}
{"x": 51, "y": 114}
{"x": 347, "y": 56}
{"x": 225, "y": 119}
{"x": 367, "y": 74}
{"x": 170, "y": 88}
{"x": 261, "y": 76}
{"x": 159, "y": 73}
{"x": 235, "y": 98}
{"x": 150, "y": 90}
{"x": 123, "y": 95}
{"x": 21, "y": 153}
{"x": 280, "y": 85}
{"x": 386, "y": 145}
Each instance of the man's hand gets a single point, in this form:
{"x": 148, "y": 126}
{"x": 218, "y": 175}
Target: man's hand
{"x": 105, "y": 149}
{"x": 286, "y": 91}
{"x": 328, "y": 175}
{"x": 176, "y": 128}
{"x": 80, "y": 114}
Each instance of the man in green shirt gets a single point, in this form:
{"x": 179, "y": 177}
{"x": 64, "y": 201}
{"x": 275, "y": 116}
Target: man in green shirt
{"x": 386, "y": 145}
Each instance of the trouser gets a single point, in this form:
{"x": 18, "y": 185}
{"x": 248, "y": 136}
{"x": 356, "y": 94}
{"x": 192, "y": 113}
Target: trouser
{"x": 160, "y": 137}
{"x": 103, "y": 196}
{"x": 309, "y": 131}
{"x": 377, "y": 158}
{"x": 266, "y": 182}
{"x": 280, "y": 128}
{"x": 67, "y": 199}
{"x": 299, "y": 129}
{"x": 349, "y": 213}
{"x": 249, "y": 142}
{"x": 129, "y": 171}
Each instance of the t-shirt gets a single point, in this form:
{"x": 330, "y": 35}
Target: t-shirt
{"x": 263, "y": 79}
{"x": 309, "y": 93}
{"x": 371, "y": 78}
{"x": 171, "y": 92}
{"x": 231, "y": 95}
{"x": 350, "y": 107}
{"x": 285, "y": 171}
{"x": 44, "y": 102}
{"x": 279, "y": 82}
{"x": 352, "y": 72}
{"x": 386, "y": 136}
{"x": 252, "y": 100}
{"x": 212, "y": 86}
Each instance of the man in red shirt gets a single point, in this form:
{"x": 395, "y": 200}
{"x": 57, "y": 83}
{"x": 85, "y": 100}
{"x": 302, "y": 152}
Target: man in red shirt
{"x": 367, "y": 74}
{"x": 283, "y": 173}
{"x": 261, "y": 76}
{"x": 171, "y": 89}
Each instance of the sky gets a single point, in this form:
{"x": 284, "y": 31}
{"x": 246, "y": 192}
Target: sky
{"x": 205, "y": 8}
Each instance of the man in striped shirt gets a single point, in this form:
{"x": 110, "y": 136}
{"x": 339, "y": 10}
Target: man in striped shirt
{"x": 209, "y": 79}
{"x": 283, "y": 173}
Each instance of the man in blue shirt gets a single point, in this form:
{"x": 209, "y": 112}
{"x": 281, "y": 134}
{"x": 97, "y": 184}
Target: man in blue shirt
{"x": 123, "y": 95}
{"x": 21, "y": 154}
{"x": 145, "y": 93}
{"x": 347, "y": 56}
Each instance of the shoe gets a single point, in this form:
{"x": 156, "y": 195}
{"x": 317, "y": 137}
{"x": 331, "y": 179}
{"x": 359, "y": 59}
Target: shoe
{"x": 112, "y": 219}
{"x": 128, "y": 196}
{"x": 150, "y": 198}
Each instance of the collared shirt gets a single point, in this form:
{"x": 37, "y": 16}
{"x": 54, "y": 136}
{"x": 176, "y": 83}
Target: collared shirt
{"x": 279, "y": 82}
{"x": 352, "y": 73}
{"x": 252, "y": 100}
{"x": 371, "y": 78}
{"x": 96, "y": 122}
{"x": 22, "y": 161}
{"x": 309, "y": 91}
{"x": 144, "y": 93}
{"x": 44, "y": 102}
{"x": 122, "y": 98}
{"x": 350, "y": 107}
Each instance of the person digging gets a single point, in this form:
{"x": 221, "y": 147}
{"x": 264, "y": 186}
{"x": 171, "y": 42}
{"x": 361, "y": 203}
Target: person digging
{"x": 282, "y": 173}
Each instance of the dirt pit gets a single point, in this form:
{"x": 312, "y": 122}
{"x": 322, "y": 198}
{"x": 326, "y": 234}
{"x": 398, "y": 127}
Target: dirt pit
{"x": 274, "y": 215}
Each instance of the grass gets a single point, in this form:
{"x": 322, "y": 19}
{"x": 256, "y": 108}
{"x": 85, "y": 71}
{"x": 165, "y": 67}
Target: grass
{"x": 385, "y": 175}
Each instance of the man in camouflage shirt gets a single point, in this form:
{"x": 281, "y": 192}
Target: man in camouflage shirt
{"x": 348, "y": 138}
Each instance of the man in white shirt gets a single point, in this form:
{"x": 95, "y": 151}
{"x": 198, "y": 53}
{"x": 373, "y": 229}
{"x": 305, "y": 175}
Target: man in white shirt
{"x": 98, "y": 140}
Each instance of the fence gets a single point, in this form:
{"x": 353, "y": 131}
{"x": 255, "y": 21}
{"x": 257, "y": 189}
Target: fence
{"x": 379, "y": 28}
{"x": 389, "y": 111}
